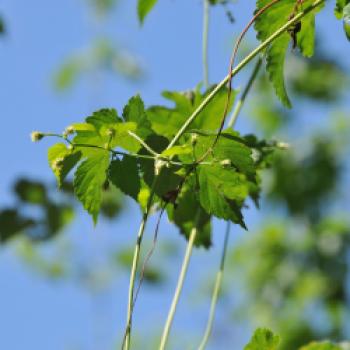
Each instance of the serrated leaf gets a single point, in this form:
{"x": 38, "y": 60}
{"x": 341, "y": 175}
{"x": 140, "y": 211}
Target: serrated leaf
{"x": 222, "y": 191}
{"x": 263, "y": 339}
{"x": 270, "y": 21}
{"x": 134, "y": 111}
{"x": 89, "y": 180}
{"x": 62, "y": 160}
{"x": 105, "y": 128}
{"x": 144, "y": 7}
{"x": 229, "y": 147}
{"x": 167, "y": 121}
{"x": 124, "y": 174}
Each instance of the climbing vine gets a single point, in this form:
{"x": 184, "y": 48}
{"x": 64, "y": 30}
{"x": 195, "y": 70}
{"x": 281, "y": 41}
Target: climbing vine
{"x": 186, "y": 160}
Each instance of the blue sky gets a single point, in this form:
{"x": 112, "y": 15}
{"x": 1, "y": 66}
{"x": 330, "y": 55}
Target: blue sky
{"x": 39, "y": 314}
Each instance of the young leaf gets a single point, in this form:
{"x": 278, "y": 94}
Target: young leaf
{"x": 144, "y": 7}
{"x": 303, "y": 33}
{"x": 105, "y": 128}
{"x": 124, "y": 174}
{"x": 263, "y": 339}
{"x": 89, "y": 180}
{"x": 62, "y": 160}
{"x": 222, "y": 191}
{"x": 134, "y": 111}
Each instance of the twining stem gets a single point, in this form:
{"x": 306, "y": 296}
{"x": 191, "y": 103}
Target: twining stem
{"x": 217, "y": 287}
{"x": 240, "y": 102}
{"x": 135, "y": 261}
{"x": 180, "y": 283}
{"x": 143, "y": 143}
{"x": 220, "y": 273}
{"x": 206, "y": 7}
{"x": 240, "y": 66}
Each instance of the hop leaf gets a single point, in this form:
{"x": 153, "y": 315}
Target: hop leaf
{"x": 270, "y": 21}
{"x": 62, "y": 160}
{"x": 89, "y": 180}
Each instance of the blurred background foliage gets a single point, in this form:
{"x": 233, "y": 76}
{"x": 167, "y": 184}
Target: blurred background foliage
{"x": 292, "y": 272}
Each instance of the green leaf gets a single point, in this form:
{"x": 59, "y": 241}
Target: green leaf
{"x": 229, "y": 147}
{"x": 183, "y": 214}
{"x": 325, "y": 345}
{"x": 12, "y": 223}
{"x": 134, "y": 111}
{"x": 346, "y": 20}
{"x": 89, "y": 180}
{"x": 339, "y": 8}
{"x": 168, "y": 179}
{"x": 31, "y": 192}
{"x": 177, "y": 150}
{"x": 124, "y": 174}
{"x": 144, "y": 7}
{"x": 268, "y": 23}
{"x": 105, "y": 128}
{"x": 62, "y": 160}
{"x": 2, "y": 26}
{"x": 263, "y": 339}
{"x": 167, "y": 121}
{"x": 222, "y": 191}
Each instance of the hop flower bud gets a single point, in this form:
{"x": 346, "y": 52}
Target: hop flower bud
{"x": 57, "y": 164}
{"x": 226, "y": 163}
{"x": 69, "y": 130}
{"x": 36, "y": 136}
{"x": 194, "y": 139}
{"x": 158, "y": 165}
{"x": 110, "y": 132}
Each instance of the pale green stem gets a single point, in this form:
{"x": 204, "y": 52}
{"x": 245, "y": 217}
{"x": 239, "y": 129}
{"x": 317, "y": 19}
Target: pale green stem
{"x": 143, "y": 143}
{"x": 206, "y": 7}
{"x": 216, "y": 291}
{"x": 135, "y": 261}
{"x": 180, "y": 283}
{"x": 240, "y": 66}
{"x": 240, "y": 102}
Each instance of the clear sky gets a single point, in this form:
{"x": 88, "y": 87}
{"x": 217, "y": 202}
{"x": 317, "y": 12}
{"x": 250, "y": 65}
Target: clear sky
{"x": 37, "y": 314}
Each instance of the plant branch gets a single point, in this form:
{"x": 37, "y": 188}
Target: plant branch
{"x": 180, "y": 283}
{"x": 206, "y": 7}
{"x": 217, "y": 287}
{"x": 240, "y": 66}
{"x": 143, "y": 143}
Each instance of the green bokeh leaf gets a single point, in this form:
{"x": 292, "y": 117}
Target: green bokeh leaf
{"x": 263, "y": 339}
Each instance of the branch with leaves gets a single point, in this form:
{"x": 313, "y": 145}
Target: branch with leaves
{"x": 182, "y": 156}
